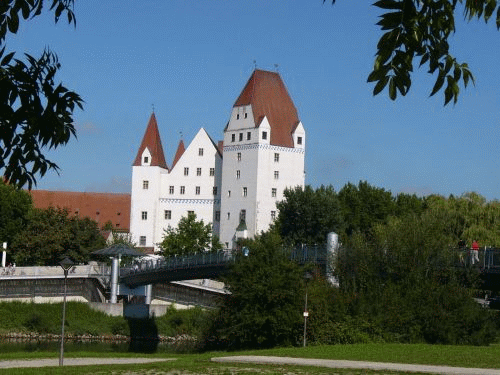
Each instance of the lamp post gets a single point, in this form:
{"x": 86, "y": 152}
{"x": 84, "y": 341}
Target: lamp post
{"x": 66, "y": 264}
{"x": 307, "y": 277}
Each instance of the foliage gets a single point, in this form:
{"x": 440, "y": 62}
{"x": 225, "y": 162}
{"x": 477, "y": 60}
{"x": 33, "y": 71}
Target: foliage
{"x": 266, "y": 301}
{"x": 36, "y": 113}
{"x": 52, "y": 234}
{"x": 14, "y": 208}
{"x": 190, "y": 237}
{"x": 306, "y": 216}
{"x": 420, "y": 30}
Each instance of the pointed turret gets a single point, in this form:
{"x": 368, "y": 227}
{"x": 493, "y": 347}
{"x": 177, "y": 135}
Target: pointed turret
{"x": 268, "y": 96}
{"x": 152, "y": 143}
{"x": 178, "y": 153}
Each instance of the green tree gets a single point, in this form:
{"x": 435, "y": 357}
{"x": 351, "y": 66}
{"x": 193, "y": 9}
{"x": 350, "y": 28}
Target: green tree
{"x": 307, "y": 215}
{"x": 419, "y": 32}
{"x": 36, "y": 112}
{"x": 266, "y": 302}
{"x": 15, "y": 206}
{"x": 190, "y": 237}
{"x": 52, "y": 234}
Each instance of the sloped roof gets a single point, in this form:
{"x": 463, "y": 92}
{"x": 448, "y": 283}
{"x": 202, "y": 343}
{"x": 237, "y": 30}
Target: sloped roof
{"x": 178, "y": 153}
{"x": 268, "y": 95}
{"x": 152, "y": 141}
{"x": 101, "y": 207}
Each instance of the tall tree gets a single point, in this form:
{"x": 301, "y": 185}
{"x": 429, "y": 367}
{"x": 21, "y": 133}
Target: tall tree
{"x": 190, "y": 237}
{"x": 418, "y": 32}
{"x": 36, "y": 112}
{"x": 15, "y": 206}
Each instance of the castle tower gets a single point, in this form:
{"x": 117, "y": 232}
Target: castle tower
{"x": 149, "y": 165}
{"x": 264, "y": 147}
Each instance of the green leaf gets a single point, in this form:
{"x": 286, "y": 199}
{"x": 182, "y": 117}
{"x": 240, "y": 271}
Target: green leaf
{"x": 380, "y": 85}
{"x": 389, "y": 4}
{"x": 7, "y": 58}
{"x": 439, "y": 83}
{"x": 392, "y": 89}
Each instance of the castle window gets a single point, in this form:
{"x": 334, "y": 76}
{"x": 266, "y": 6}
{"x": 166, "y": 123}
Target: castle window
{"x": 146, "y": 160}
{"x": 227, "y": 245}
{"x": 273, "y": 192}
{"x": 276, "y": 175}
{"x": 299, "y": 140}
{"x": 144, "y": 215}
{"x": 238, "y": 116}
{"x": 142, "y": 241}
{"x": 229, "y": 215}
{"x": 200, "y": 152}
{"x": 243, "y": 215}
{"x": 217, "y": 215}
{"x": 273, "y": 215}
{"x": 233, "y": 137}
{"x": 186, "y": 171}
{"x": 241, "y": 137}
{"x": 212, "y": 171}
{"x": 214, "y": 190}
{"x": 171, "y": 189}
{"x": 238, "y": 156}
{"x": 190, "y": 213}
{"x": 198, "y": 171}
{"x": 264, "y": 135}
{"x": 245, "y": 191}
{"x": 229, "y": 193}
{"x": 238, "y": 174}
{"x": 168, "y": 215}
{"x": 246, "y": 115}
{"x": 276, "y": 157}
{"x": 145, "y": 184}
{"x": 249, "y": 136}
{"x": 183, "y": 189}
{"x": 197, "y": 190}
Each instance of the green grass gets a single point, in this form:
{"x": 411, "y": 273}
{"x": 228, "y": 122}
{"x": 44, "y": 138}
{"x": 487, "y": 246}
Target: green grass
{"x": 460, "y": 356}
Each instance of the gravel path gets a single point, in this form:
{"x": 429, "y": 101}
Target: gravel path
{"x": 357, "y": 365}
{"x": 79, "y": 362}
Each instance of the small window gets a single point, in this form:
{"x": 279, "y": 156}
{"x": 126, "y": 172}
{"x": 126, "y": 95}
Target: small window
{"x": 214, "y": 190}
{"x": 243, "y": 215}
{"x": 273, "y": 215}
{"x": 276, "y": 157}
{"x": 198, "y": 171}
{"x": 190, "y": 213}
{"x": 186, "y": 171}
{"x": 197, "y": 190}
{"x": 233, "y": 137}
{"x": 228, "y": 193}
{"x": 144, "y": 215}
{"x": 146, "y": 160}
{"x": 238, "y": 116}
{"x": 273, "y": 192}
{"x": 238, "y": 174}
{"x": 142, "y": 241}
{"x": 212, "y": 171}
{"x": 227, "y": 245}
{"x": 246, "y": 115}
{"x": 200, "y": 152}
{"x": 145, "y": 184}
{"x": 264, "y": 135}
{"x": 171, "y": 189}
{"x": 229, "y": 215}
{"x": 118, "y": 213}
{"x": 238, "y": 156}
{"x": 249, "y": 136}
{"x": 245, "y": 191}
{"x": 168, "y": 215}
{"x": 299, "y": 140}
{"x": 217, "y": 215}
{"x": 183, "y": 189}
{"x": 241, "y": 137}
{"x": 276, "y": 175}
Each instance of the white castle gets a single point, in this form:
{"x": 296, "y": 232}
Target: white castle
{"x": 235, "y": 184}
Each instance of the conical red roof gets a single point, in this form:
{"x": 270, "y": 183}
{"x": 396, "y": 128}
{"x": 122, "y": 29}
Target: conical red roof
{"x": 178, "y": 153}
{"x": 152, "y": 142}
{"x": 267, "y": 94}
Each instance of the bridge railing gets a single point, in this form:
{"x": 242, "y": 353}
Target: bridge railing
{"x": 90, "y": 270}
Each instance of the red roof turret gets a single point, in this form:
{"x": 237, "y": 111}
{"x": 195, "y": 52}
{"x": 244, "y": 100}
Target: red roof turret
{"x": 152, "y": 142}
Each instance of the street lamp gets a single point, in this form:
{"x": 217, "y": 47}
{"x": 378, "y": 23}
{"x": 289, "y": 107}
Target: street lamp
{"x": 66, "y": 264}
{"x": 307, "y": 277}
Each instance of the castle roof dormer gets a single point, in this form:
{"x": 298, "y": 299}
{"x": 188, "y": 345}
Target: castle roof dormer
{"x": 151, "y": 146}
{"x": 268, "y": 97}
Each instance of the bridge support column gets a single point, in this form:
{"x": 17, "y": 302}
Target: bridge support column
{"x": 115, "y": 270}
{"x": 149, "y": 294}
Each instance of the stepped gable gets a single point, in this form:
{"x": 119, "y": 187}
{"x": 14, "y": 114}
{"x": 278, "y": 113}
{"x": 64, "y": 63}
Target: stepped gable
{"x": 268, "y": 95}
{"x": 152, "y": 142}
{"x": 101, "y": 207}
{"x": 179, "y": 153}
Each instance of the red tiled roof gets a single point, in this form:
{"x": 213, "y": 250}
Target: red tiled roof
{"x": 267, "y": 94}
{"x": 101, "y": 207}
{"x": 152, "y": 141}
{"x": 178, "y": 153}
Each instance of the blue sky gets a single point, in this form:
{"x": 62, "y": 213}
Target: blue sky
{"x": 191, "y": 58}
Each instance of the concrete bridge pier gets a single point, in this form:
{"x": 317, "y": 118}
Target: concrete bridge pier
{"x": 115, "y": 273}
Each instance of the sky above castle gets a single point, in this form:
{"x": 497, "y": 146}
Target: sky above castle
{"x": 191, "y": 59}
